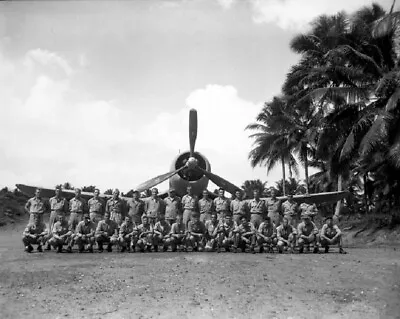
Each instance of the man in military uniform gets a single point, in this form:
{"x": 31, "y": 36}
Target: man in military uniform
{"x": 84, "y": 235}
{"x": 238, "y": 207}
{"x": 222, "y": 204}
{"x": 331, "y": 235}
{"x": 196, "y": 233}
{"x": 61, "y": 234}
{"x": 211, "y": 232}
{"x": 96, "y": 207}
{"x": 35, "y": 233}
{"x": 308, "y": 234}
{"x": 162, "y": 230}
{"x": 173, "y": 206}
{"x": 257, "y": 208}
{"x": 135, "y": 208}
{"x": 106, "y": 232}
{"x": 154, "y": 206}
{"x": 37, "y": 205}
{"x": 274, "y": 208}
{"x": 286, "y": 235}
{"x": 266, "y": 235}
{"x": 58, "y": 207}
{"x": 206, "y": 207}
{"x": 189, "y": 205}
{"x": 177, "y": 236}
{"x": 245, "y": 236}
{"x": 115, "y": 206}
{"x": 77, "y": 206}
{"x": 128, "y": 235}
{"x": 146, "y": 235}
{"x": 225, "y": 233}
{"x": 290, "y": 210}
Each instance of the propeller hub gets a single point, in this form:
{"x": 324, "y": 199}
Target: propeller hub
{"x": 191, "y": 162}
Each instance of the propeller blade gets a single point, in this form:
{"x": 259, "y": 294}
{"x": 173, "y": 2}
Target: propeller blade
{"x": 192, "y": 130}
{"x": 218, "y": 180}
{"x": 157, "y": 180}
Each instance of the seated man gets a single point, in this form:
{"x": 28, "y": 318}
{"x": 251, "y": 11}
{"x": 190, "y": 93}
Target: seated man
{"x": 245, "y": 236}
{"x": 146, "y": 235}
{"x": 161, "y": 232}
{"x": 211, "y": 226}
{"x": 128, "y": 235}
{"x": 106, "y": 232}
{"x": 84, "y": 234}
{"x": 286, "y": 236}
{"x": 35, "y": 233}
{"x": 196, "y": 233}
{"x": 331, "y": 235}
{"x": 61, "y": 234}
{"x": 307, "y": 234}
{"x": 177, "y": 237}
{"x": 225, "y": 235}
{"x": 266, "y": 235}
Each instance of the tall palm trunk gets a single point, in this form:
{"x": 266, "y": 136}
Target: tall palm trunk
{"x": 339, "y": 202}
{"x": 283, "y": 176}
{"x": 306, "y": 171}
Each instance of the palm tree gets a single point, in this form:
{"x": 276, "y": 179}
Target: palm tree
{"x": 250, "y": 185}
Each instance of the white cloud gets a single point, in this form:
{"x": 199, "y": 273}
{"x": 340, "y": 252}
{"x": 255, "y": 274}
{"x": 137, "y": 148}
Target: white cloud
{"x": 47, "y": 58}
{"x": 226, "y": 4}
{"x": 297, "y": 14}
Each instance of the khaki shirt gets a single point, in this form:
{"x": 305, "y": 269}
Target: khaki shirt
{"x": 87, "y": 230}
{"x": 145, "y": 228}
{"x": 238, "y": 207}
{"x": 267, "y": 230}
{"x": 330, "y": 232}
{"x": 257, "y": 207}
{"x": 127, "y": 228}
{"x": 96, "y": 205}
{"x": 210, "y": 227}
{"x": 284, "y": 232}
{"x": 307, "y": 230}
{"x": 221, "y": 204}
{"x": 172, "y": 207}
{"x": 60, "y": 228}
{"x": 77, "y": 205}
{"x": 289, "y": 208}
{"x": 115, "y": 205}
{"x": 189, "y": 202}
{"x": 59, "y": 205}
{"x": 196, "y": 227}
{"x": 245, "y": 229}
{"x": 228, "y": 227}
{"x": 178, "y": 228}
{"x": 154, "y": 207}
{"x": 136, "y": 207}
{"x": 109, "y": 227}
{"x": 273, "y": 205}
{"x": 162, "y": 227}
{"x": 32, "y": 229}
{"x": 37, "y": 205}
{"x": 206, "y": 205}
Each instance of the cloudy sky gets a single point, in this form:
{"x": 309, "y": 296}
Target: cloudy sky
{"x": 98, "y": 92}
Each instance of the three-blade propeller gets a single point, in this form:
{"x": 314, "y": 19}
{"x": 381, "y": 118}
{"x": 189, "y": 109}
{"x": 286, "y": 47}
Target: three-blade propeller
{"x": 191, "y": 164}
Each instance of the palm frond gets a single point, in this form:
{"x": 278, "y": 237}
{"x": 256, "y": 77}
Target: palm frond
{"x": 393, "y": 101}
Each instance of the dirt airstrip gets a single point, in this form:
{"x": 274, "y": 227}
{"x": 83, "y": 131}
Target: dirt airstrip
{"x": 362, "y": 284}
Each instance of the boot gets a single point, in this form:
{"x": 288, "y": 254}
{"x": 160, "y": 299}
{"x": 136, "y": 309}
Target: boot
{"x": 40, "y": 249}
{"x": 109, "y": 248}
{"x": 59, "y": 249}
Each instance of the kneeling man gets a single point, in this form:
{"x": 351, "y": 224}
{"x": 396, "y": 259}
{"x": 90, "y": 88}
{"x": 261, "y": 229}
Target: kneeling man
{"x": 161, "y": 233}
{"x": 177, "y": 236}
{"x": 331, "y": 235}
{"x": 196, "y": 233}
{"x": 286, "y": 235}
{"x": 245, "y": 236}
{"x": 106, "y": 232}
{"x": 266, "y": 235}
{"x": 128, "y": 235}
{"x": 307, "y": 234}
{"x": 61, "y": 234}
{"x": 35, "y": 233}
{"x": 84, "y": 234}
{"x": 146, "y": 235}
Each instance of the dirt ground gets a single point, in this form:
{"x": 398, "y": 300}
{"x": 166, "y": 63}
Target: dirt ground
{"x": 362, "y": 284}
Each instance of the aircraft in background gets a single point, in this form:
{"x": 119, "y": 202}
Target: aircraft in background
{"x": 191, "y": 168}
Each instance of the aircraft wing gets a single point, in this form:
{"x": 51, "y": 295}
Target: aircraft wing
{"x": 319, "y": 198}
{"x": 49, "y": 192}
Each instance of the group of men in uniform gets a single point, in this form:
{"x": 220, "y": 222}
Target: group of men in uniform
{"x": 180, "y": 223}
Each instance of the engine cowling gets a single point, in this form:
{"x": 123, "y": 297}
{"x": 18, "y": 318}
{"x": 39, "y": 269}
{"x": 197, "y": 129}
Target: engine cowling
{"x": 188, "y": 176}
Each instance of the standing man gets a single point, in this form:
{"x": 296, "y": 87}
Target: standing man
{"x": 37, "y": 205}
{"x": 274, "y": 208}
{"x": 106, "y": 232}
{"x": 61, "y": 234}
{"x": 222, "y": 204}
{"x": 84, "y": 235}
{"x": 173, "y": 207}
{"x": 77, "y": 206}
{"x": 154, "y": 207}
{"x": 116, "y": 207}
{"x": 96, "y": 207}
{"x": 307, "y": 233}
{"x": 206, "y": 207}
{"x": 35, "y": 233}
{"x": 286, "y": 235}
{"x": 58, "y": 207}
{"x": 189, "y": 205}
{"x": 331, "y": 235}
{"x": 238, "y": 207}
{"x": 135, "y": 208}
{"x": 257, "y": 209}
{"x": 290, "y": 210}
